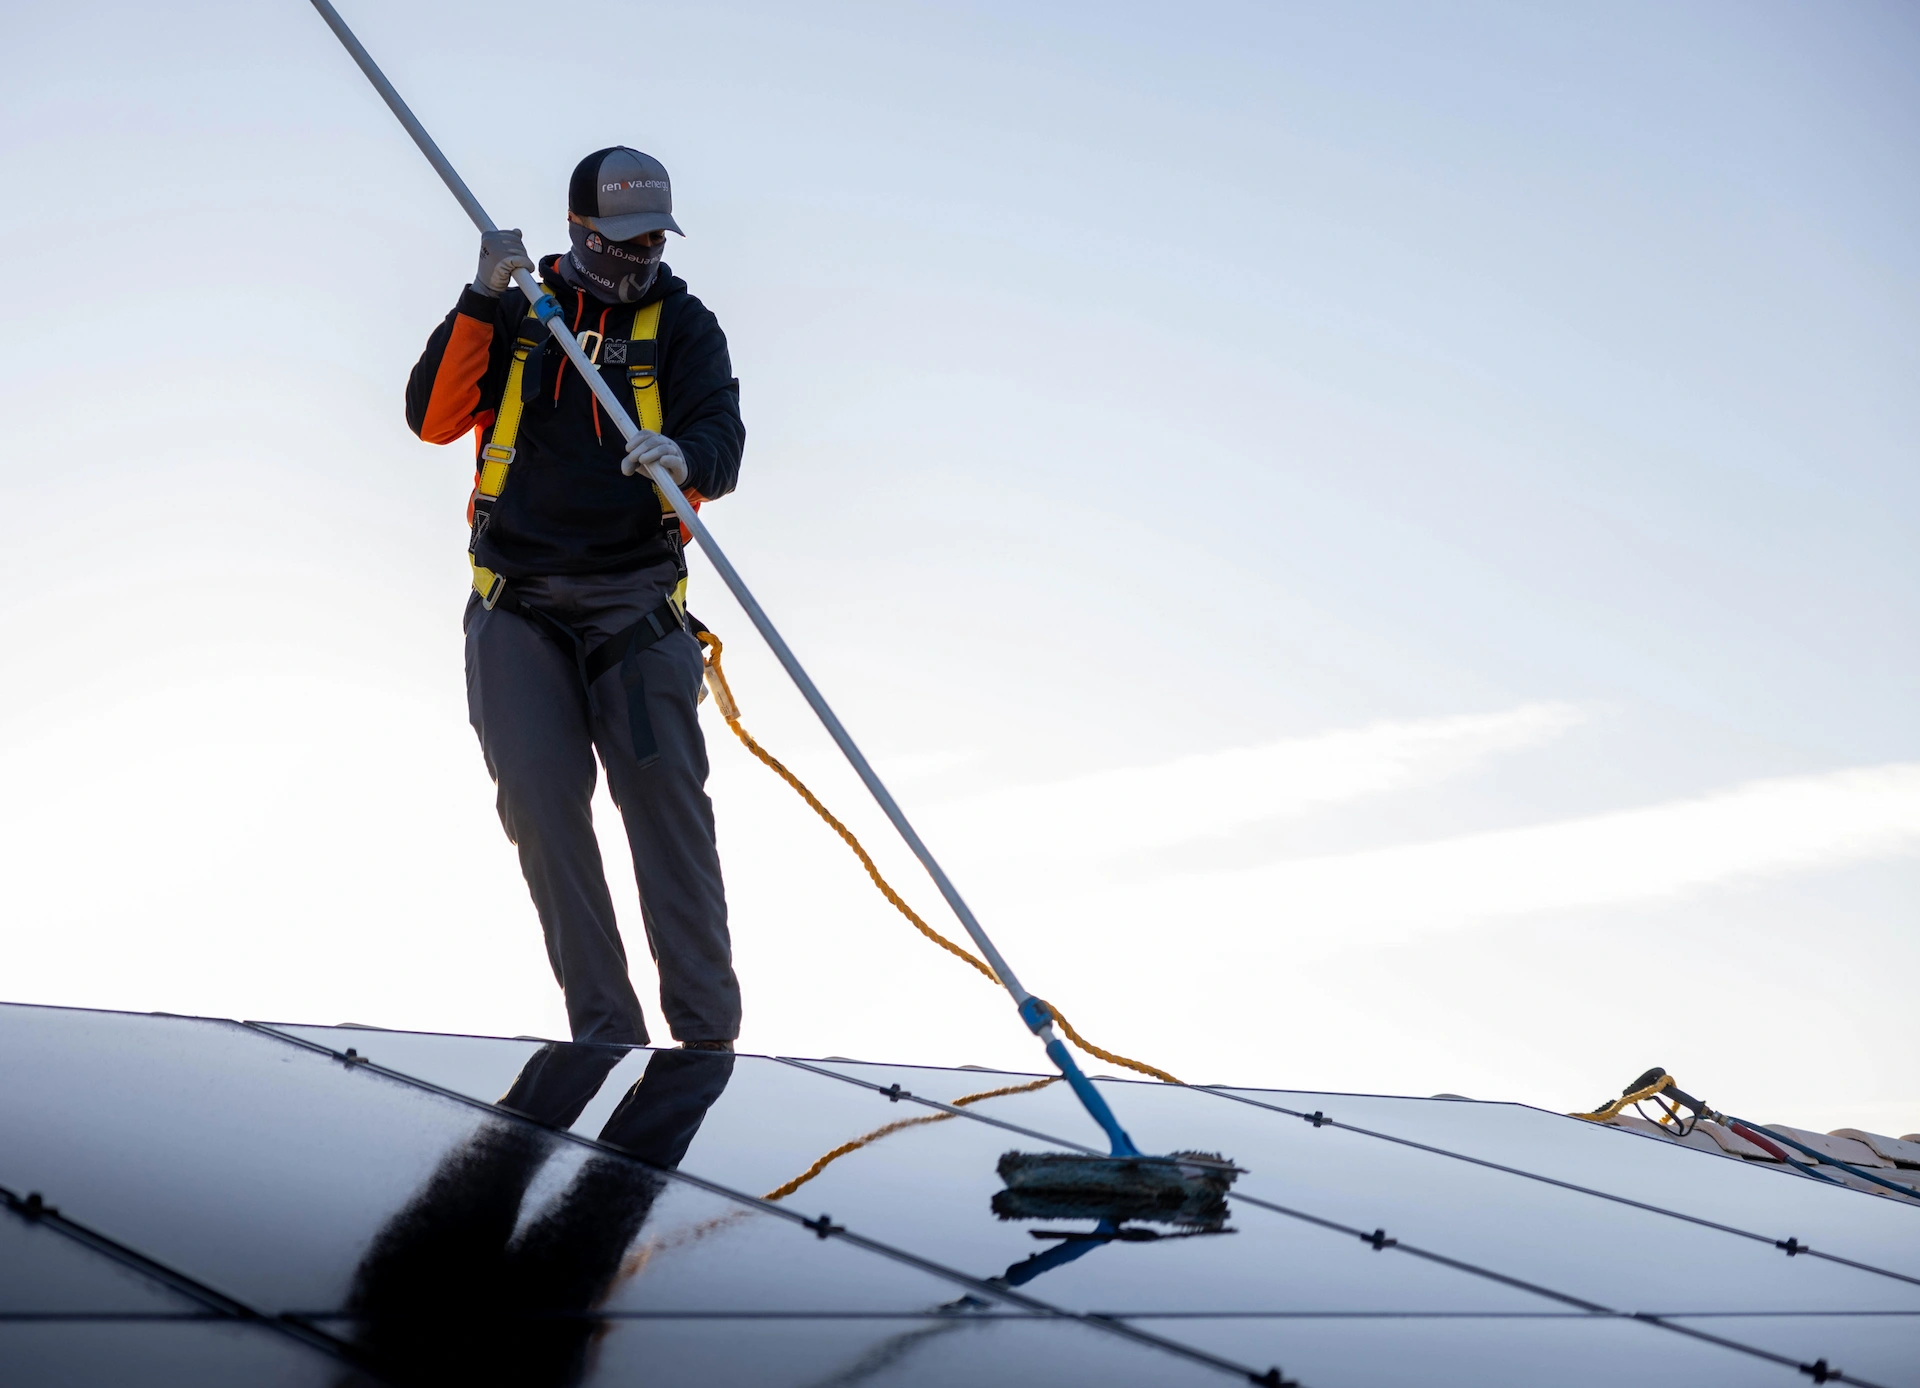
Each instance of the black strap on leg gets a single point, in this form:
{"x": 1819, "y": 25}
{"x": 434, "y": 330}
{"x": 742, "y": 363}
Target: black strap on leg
{"x": 592, "y": 664}
{"x": 658, "y": 624}
{"x": 563, "y": 635}
{"x": 618, "y": 650}
{"x": 655, "y": 626}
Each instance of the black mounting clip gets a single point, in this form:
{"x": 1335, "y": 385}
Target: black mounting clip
{"x": 33, "y": 1207}
{"x": 823, "y": 1226}
{"x": 1378, "y": 1238}
{"x": 1317, "y": 1118}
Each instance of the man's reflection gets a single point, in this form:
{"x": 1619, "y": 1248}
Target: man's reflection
{"x": 456, "y": 1290}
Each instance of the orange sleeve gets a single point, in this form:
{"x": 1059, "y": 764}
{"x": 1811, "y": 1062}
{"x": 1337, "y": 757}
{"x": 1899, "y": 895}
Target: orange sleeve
{"x": 456, "y": 385}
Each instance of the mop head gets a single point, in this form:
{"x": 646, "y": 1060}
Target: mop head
{"x": 1188, "y": 1189}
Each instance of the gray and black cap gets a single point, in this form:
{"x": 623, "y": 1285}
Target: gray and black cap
{"x": 622, "y": 193}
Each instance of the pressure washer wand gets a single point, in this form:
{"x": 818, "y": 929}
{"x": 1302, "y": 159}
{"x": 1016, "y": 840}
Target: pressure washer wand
{"x": 1033, "y": 1011}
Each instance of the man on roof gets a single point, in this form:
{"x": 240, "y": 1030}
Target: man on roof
{"x": 576, "y": 631}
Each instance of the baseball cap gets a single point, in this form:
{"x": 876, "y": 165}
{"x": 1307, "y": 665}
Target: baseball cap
{"x": 622, "y": 193}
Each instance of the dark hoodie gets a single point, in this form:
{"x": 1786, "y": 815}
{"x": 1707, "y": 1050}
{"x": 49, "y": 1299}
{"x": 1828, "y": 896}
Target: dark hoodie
{"x": 567, "y": 509}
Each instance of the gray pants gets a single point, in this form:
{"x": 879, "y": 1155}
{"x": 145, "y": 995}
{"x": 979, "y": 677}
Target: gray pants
{"x": 538, "y": 731}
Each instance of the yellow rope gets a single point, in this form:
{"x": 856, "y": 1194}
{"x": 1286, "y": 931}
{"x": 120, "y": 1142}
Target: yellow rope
{"x": 638, "y": 1260}
{"x": 1105, "y": 1055}
{"x": 723, "y": 700}
{"x": 1606, "y": 1111}
{"x": 730, "y": 711}
{"x": 782, "y": 1192}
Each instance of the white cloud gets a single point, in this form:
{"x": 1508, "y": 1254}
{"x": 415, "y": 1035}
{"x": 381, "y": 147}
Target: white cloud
{"x": 1318, "y": 905}
{"x": 1109, "y": 813}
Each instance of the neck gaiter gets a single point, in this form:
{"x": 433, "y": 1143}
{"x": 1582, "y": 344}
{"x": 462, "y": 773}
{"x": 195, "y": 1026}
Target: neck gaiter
{"x": 618, "y": 272}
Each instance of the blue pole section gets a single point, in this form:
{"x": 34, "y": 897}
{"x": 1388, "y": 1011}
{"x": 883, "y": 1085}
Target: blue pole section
{"x": 1094, "y": 1100}
{"x": 1037, "y": 1017}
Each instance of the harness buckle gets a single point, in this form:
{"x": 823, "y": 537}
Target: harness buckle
{"x": 531, "y": 358}
{"x": 495, "y": 458}
{"x": 482, "y": 513}
{"x": 593, "y": 353}
{"x": 642, "y": 353}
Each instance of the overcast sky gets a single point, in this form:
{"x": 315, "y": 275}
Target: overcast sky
{"x": 1377, "y": 541}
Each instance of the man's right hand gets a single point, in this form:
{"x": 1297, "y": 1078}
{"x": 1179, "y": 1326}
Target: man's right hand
{"x": 501, "y": 253}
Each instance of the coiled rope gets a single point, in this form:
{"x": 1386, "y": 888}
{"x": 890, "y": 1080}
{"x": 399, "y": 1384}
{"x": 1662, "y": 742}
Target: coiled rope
{"x": 1609, "y": 1110}
{"x": 730, "y": 711}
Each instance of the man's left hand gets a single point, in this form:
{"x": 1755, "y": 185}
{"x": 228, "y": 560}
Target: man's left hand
{"x": 651, "y": 448}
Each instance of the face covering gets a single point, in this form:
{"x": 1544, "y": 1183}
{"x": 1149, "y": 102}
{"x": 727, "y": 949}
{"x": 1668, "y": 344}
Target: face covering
{"x": 617, "y": 271}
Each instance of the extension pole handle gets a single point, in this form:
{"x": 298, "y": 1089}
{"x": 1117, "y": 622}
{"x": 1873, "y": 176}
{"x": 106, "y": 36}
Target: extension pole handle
{"x": 455, "y": 184}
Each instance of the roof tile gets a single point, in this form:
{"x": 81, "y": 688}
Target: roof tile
{"x": 1634, "y": 1123}
{"x": 1843, "y": 1148}
{"x": 1901, "y": 1151}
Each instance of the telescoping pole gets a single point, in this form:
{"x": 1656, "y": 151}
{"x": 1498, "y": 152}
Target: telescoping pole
{"x": 1032, "y": 1011}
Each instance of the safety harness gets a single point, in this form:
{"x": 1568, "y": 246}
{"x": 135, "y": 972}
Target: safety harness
{"x": 638, "y": 354}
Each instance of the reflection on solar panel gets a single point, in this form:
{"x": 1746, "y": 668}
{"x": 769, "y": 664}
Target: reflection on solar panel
{"x": 210, "y": 1202}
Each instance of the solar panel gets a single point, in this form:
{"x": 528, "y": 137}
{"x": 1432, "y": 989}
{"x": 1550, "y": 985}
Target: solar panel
{"x": 1560, "y": 1351}
{"x": 412, "y": 1203}
{"x": 929, "y": 1187}
{"x": 1613, "y": 1161}
{"x": 217, "y": 1151}
{"x": 160, "y": 1354}
{"x": 1430, "y": 1198}
{"x": 43, "y": 1272}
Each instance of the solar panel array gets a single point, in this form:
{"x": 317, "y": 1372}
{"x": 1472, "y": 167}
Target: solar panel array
{"x": 210, "y": 1202}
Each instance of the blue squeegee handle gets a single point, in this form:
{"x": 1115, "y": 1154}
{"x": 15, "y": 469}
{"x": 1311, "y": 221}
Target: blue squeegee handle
{"x": 1040, "y": 1020}
{"x": 1093, "y": 1099}
{"x": 1030, "y": 1010}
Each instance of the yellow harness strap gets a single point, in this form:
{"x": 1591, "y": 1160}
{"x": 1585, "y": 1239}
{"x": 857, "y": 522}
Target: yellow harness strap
{"x": 642, "y": 376}
{"x": 496, "y": 455}
{"x": 644, "y": 380}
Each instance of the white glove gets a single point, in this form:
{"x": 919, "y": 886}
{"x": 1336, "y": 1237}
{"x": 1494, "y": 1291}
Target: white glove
{"x": 501, "y": 253}
{"x": 652, "y": 448}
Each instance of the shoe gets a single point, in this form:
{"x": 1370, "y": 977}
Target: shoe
{"x": 706, "y": 1045}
